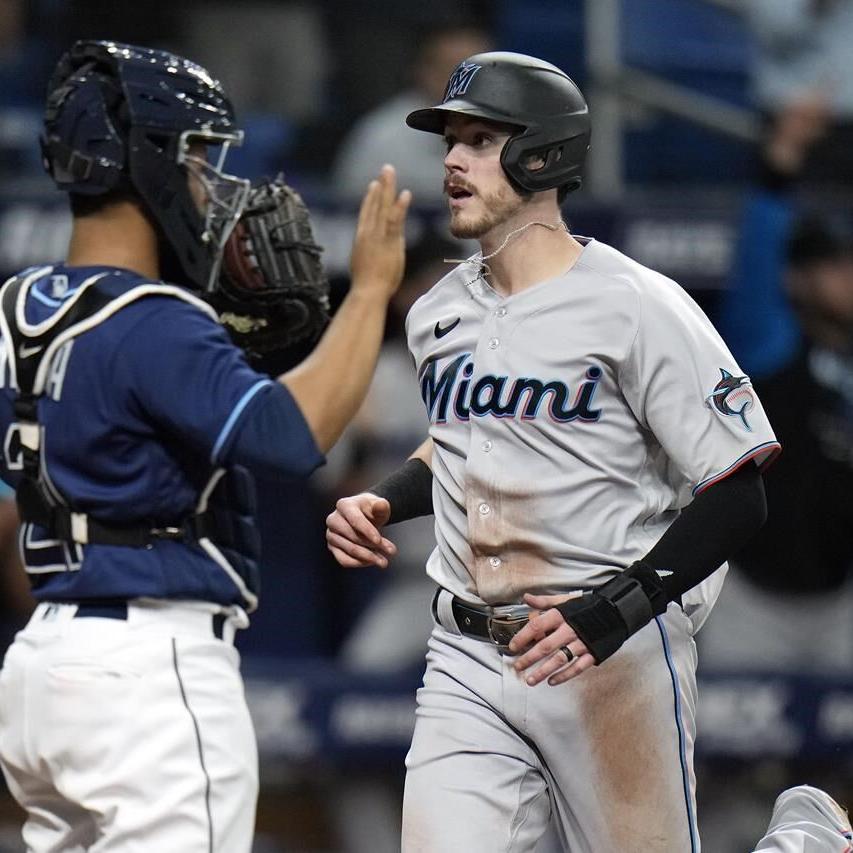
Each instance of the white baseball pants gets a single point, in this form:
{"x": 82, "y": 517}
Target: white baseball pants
{"x": 128, "y": 735}
{"x": 609, "y": 754}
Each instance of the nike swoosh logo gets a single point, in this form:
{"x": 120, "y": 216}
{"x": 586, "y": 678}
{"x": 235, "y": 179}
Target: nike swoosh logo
{"x": 26, "y": 352}
{"x": 663, "y": 573}
{"x": 441, "y": 332}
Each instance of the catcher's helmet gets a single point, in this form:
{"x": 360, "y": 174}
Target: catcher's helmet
{"x": 549, "y": 148}
{"x": 123, "y": 118}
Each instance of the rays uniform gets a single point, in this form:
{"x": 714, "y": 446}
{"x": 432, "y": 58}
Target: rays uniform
{"x": 130, "y": 422}
{"x": 570, "y": 423}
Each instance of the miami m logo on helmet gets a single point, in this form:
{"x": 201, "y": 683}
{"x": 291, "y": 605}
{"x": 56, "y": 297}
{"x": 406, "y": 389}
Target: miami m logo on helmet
{"x": 460, "y": 80}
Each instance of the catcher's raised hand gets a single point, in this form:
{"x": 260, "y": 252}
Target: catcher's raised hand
{"x": 352, "y": 531}
{"x": 378, "y": 252}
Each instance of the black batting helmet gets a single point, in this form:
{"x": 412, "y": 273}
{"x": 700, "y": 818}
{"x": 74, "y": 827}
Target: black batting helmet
{"x": 549, "y": 148}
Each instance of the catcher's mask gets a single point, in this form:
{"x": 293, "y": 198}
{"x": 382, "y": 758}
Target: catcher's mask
{"x": 219, "y": 197}
{"x": 130, "y": 119}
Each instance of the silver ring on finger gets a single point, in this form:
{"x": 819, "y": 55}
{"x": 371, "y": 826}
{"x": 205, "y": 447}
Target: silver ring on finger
{"x": 567, "y": 652}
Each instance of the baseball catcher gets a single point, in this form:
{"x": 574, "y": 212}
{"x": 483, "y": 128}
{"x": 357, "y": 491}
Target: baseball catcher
{"x": 135, "y": 432}
{"x": 272, "y": 289}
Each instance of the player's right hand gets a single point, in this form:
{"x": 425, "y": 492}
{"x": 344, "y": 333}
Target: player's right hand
{"x": 352, "y": 531}
{"x": 378, "y": 251}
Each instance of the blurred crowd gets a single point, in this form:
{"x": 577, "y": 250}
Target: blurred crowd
{"x": 322, "y": 88}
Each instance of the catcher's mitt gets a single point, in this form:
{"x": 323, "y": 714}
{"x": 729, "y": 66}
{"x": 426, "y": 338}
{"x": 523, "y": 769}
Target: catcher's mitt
{"x": 272, "y": 291}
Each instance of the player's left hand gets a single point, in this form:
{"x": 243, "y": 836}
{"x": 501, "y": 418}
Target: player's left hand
{"x": 543, "y": 638}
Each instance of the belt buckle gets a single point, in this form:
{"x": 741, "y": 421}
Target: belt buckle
{"x": 504, "y": 626}
{"x": 174, "y": 534}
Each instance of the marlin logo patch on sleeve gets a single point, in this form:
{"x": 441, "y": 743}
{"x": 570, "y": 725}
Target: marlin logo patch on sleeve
{"x": 460, "y": 80}
{"x": 733, "y": 397}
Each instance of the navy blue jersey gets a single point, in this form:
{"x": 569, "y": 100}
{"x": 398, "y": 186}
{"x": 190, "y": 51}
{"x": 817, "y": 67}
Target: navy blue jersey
{"x": 138, "y": 413}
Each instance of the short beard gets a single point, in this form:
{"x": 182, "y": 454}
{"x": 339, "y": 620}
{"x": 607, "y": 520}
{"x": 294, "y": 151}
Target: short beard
{"x": 500, "y": 206}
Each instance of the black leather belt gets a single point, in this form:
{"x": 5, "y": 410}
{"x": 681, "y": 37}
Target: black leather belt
{"x": 494, "y": 625}
{"x": 101, "y": 610}
{"x": 117, "y": 609}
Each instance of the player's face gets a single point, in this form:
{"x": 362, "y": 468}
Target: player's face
{"x": 478, "y": 192}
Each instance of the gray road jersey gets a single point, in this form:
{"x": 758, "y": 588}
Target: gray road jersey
{"x": 571, "y": 421}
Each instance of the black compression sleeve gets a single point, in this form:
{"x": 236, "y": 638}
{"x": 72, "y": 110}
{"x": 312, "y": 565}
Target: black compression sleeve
{"x": 408, "y": 490}
{"x": 716, "y": 525}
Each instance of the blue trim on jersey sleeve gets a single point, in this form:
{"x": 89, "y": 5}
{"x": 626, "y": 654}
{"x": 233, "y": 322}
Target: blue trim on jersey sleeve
{"x": 273, "y": 437}
{"x": 771, "y": 449}
{"x": 232, "y": 418}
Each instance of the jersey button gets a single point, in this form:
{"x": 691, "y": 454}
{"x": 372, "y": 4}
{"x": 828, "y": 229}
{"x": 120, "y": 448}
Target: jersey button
{"x": 501, "y": 312}
{"x": 487, "y": 445}
{"x": 494, "y": 562}
{"x": 494, "y": 343}
{"x": 484, "y": 509}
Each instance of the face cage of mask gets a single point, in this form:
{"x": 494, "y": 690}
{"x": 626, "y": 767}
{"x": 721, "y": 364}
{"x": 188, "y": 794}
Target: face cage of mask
{"x": 225, "y": 195}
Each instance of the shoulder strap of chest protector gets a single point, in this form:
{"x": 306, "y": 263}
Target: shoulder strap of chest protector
{"x": 30, "y": 351}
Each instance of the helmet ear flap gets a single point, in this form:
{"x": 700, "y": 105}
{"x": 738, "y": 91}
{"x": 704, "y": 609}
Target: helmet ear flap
{"x": 539, "y": 167}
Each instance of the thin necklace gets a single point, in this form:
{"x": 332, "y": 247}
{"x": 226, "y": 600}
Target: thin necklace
{"x": 483, "y": 269}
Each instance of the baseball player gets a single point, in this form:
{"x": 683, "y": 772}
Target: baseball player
{"x": 131, "y": 426}
{"x": 593, "y": 457}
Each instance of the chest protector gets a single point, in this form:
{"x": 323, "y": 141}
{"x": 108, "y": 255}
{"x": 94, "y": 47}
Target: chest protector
{"x": 223, "y": 521}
